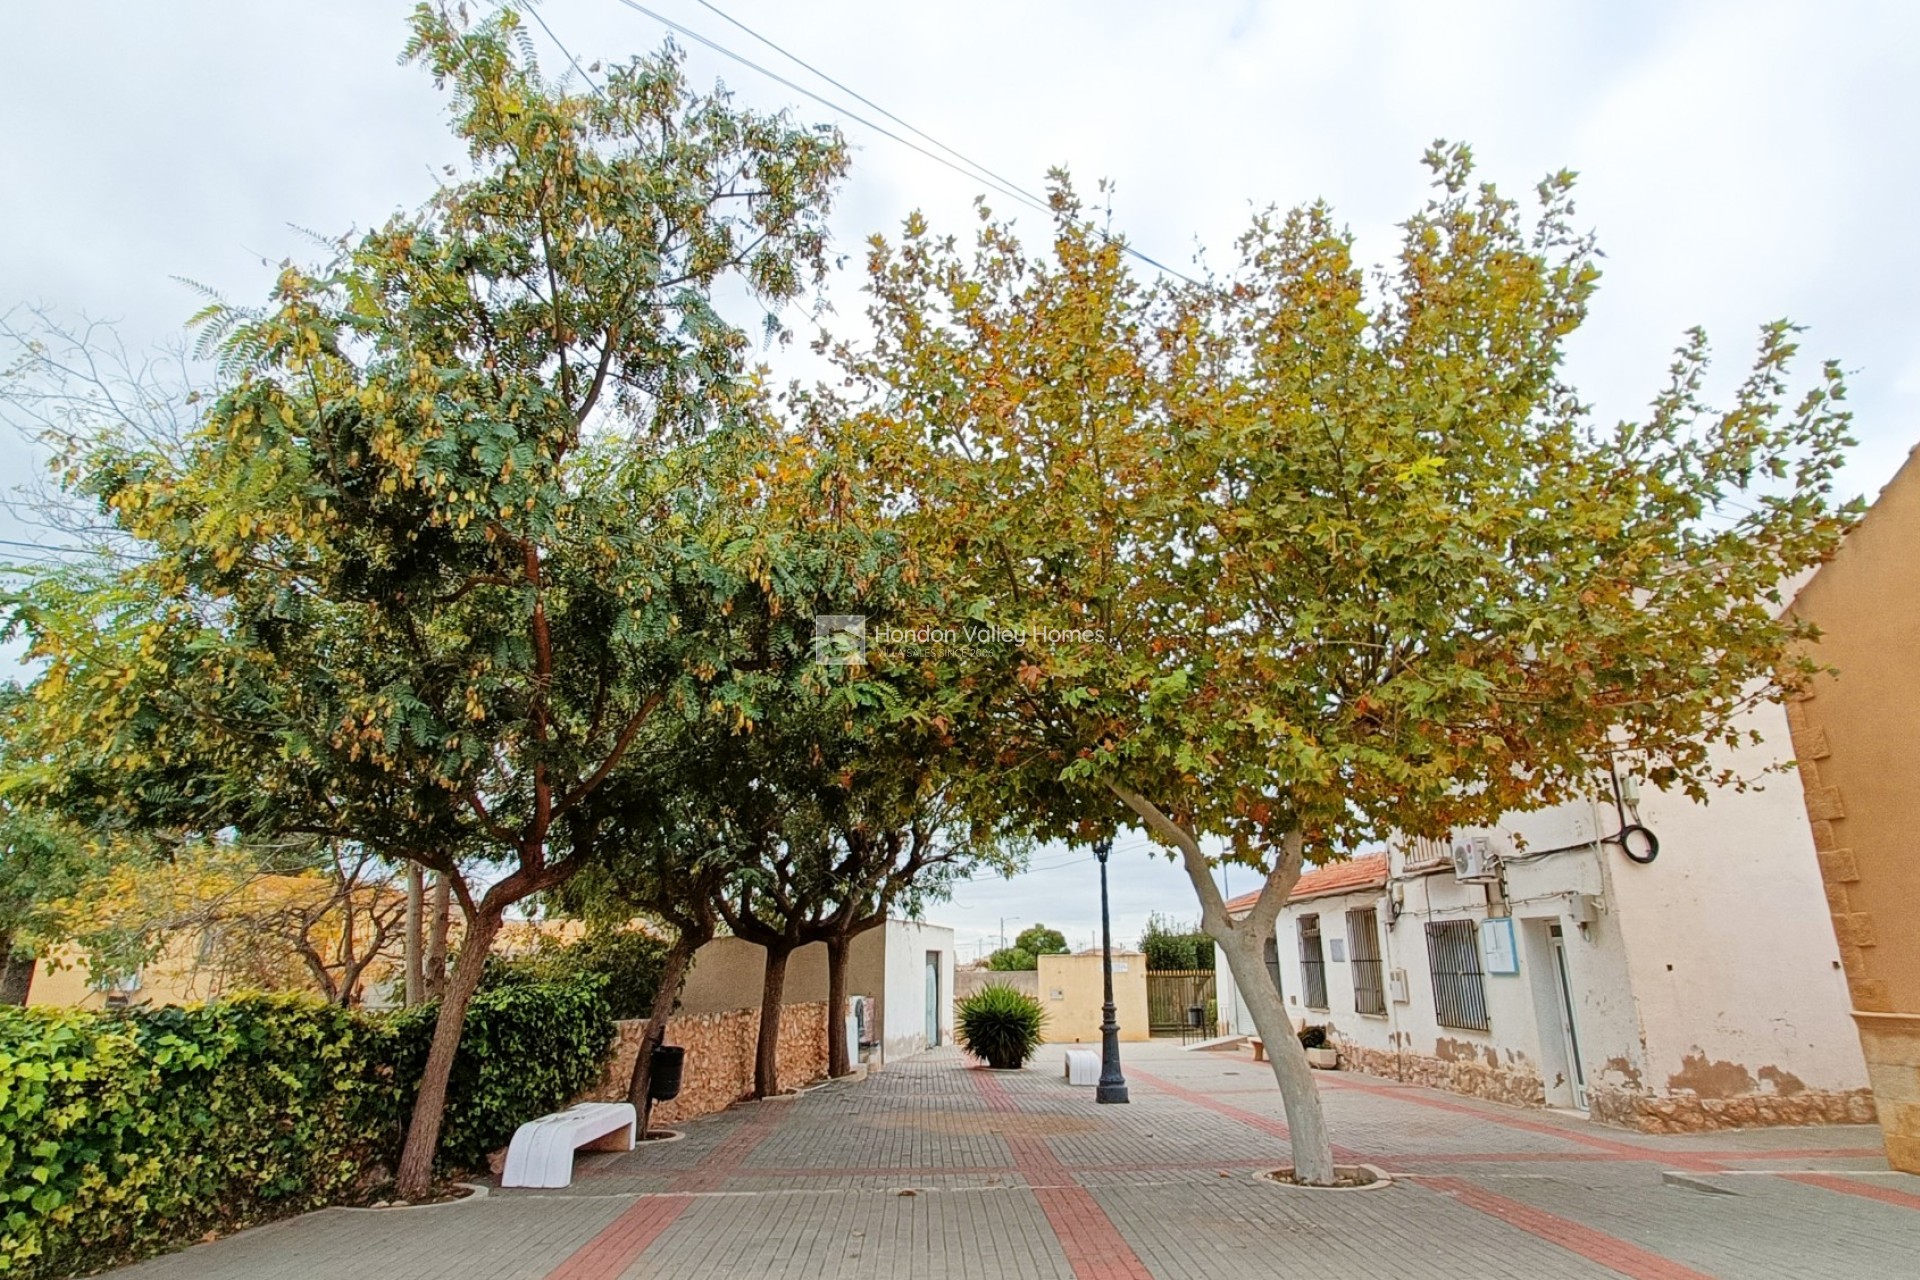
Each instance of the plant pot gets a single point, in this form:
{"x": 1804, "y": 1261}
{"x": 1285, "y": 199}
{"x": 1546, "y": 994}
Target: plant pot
{"x": 1326, "y": 1059}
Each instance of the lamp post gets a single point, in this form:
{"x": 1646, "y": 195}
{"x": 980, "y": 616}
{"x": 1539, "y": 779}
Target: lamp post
{"x": 1113, "y": 1085}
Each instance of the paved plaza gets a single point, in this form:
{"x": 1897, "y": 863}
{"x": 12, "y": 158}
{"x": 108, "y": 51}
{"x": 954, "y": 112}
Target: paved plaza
{"x": 934, "y": 1169}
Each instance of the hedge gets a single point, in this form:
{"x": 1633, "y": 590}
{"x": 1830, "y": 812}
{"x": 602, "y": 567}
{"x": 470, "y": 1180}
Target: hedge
{"x": 125, "y": 1134}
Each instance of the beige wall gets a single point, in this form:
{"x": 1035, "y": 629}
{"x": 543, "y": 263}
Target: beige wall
{"x": 1071, "y": 991}
{"x": 968, "y": 981}
{"x": 172, "y": 978}
{"x": 1857, "y": 737}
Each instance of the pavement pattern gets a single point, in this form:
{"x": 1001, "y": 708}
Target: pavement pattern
{"x": 934, "y": 1169}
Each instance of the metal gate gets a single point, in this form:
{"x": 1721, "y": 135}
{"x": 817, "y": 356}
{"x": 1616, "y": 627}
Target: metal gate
{"x": 1171, "y": 992}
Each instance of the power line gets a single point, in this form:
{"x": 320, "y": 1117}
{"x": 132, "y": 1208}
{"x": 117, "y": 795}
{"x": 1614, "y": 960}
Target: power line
{"x": 974, "y": 170}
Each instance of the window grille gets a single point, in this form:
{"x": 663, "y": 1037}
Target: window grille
{"x": 1459, "y": 990}
{"x": 1363, "y": 944}
{"x": 1313, "y": 964}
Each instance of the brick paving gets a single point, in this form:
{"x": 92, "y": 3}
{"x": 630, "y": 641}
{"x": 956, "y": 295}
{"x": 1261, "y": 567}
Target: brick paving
{"x": 932, "y": 1170}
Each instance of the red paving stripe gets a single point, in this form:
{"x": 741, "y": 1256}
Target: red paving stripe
{"x": 628, "y": 1236}
{"x": 1866, "y": 1190}
{"x": 1595, "y": 1246}
{"x": 1252, "y": 1119}
{"x": 1093, "y": 1247}
{"x": 621, "y": 1241}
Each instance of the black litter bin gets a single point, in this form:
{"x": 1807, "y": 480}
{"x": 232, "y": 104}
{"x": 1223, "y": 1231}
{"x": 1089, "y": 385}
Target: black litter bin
{"x": 663, "y": 1080}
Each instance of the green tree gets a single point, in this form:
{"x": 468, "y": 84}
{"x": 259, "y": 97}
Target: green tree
{"x": 1037, "y": 939}
{"x": 1301, "y": 555}
{"x": 1012, "y": 959}
{"x": 1175, "y": 945}
{"x": 454, "y": 533}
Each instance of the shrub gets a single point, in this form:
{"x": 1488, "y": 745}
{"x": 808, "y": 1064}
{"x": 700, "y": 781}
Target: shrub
{"x": 527, "y": 1048}
{"x": 1000, "y": 1025}
{"x": 1012, "y": 959}
{"x": 1171, "y": 946}
{"x": 125, "y": 1134}
{"x": 629, "y": 963}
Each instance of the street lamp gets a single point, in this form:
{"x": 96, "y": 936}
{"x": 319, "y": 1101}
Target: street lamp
{"x": 1113, "y": 1085}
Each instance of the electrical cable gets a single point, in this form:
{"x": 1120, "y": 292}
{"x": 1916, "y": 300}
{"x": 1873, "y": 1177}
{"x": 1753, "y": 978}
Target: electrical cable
{"x": 974, "y": 170}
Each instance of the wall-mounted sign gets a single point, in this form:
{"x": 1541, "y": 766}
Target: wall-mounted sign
{"x": 1496, "y": 945}
{"x": 1336, "y": 949}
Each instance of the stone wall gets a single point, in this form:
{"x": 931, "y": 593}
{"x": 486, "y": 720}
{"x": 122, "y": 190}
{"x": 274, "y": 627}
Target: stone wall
{"x": 1690, "y": 1113}
{"x": 720, "y": 1050}
{"x": 1516, "y": 1083}
{"x": 1677, "y": 1112}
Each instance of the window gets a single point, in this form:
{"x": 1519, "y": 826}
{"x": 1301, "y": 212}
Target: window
{"x": 1313, "y": 964}
{"x": 1273, "y": 965}
{"x": 1459, "y": 991}
{"x": 1363, "y": 943}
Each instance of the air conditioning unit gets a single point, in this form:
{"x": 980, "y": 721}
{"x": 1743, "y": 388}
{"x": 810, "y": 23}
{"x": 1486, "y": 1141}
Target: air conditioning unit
{"x": 1397, "y": 986}
{"x": 1474, "y": 860}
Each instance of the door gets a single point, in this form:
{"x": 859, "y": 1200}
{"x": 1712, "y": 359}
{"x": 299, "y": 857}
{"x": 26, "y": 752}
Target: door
{"x": 1563, "y": 983}
{"x": 933, "y": 999}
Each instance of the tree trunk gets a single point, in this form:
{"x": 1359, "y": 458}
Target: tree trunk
{"x": 439, "y": 914}
{"x": 1306, "y": 1125}
{"x": 1244, "y": 943}
{"x": 773, "y": 994}
{"x": 415, "y": 960}
{"x": 16, "y": 973}
{"x": 839, "y": 1061}
{"x": 664, "y": 999}
{"x": 415, "y": 1178}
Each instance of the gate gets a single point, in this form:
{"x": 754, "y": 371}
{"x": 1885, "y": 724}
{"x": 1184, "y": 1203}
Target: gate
{"x": 1171, "y": 992}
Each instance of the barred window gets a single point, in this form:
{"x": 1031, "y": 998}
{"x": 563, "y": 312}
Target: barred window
{"x": 1313, "y": 964}
{"x": 1459, "y": 990}
{"x": 1363, "y": 946}
{"x": 1273, "y": 965}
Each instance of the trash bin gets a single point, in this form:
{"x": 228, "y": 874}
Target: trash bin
{"x": 663, "y": 1079}
{"x": 1197, "y": 1016}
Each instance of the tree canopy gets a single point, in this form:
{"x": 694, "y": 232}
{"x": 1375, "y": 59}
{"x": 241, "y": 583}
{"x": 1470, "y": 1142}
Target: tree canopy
{"x": 1301, "y": 555}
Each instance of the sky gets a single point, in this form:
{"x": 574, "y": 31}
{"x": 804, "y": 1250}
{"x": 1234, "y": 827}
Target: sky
{"x": 1740, "y": 162}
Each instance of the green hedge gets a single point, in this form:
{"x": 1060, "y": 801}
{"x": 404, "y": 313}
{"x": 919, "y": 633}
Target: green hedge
{"x": 122, "y": 1135}
{"x": 527, "y": 1048}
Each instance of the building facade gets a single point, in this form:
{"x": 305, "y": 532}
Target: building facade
{"x": 1701, "y": 989}
{"x": 1857, "y": 738}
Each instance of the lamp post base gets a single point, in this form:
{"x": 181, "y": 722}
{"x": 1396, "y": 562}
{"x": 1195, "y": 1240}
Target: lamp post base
{"x": 1113, "y": 1085}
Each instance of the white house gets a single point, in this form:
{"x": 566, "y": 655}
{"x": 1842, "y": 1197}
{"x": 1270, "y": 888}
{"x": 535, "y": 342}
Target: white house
{"x": 1545, "y": 963}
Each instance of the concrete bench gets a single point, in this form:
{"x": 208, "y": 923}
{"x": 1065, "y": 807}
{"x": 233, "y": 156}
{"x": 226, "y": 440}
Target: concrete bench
{"x": 541, "y": 1153}
{"x": 1083, "y": 1066}
{"x": 1259, "y": 1048}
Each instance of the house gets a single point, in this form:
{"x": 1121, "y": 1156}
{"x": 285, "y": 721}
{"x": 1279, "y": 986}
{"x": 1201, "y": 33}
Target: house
{"x": 1857, "y": 738}
{"x": 1681, "y": 982}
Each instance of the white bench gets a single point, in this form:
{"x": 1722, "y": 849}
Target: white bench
{"x": 541, "y": 1153}
{"x": 1083, "y": 1066}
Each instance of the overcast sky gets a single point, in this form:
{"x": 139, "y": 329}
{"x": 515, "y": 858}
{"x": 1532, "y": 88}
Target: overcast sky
{"x": 1740, "y": 162}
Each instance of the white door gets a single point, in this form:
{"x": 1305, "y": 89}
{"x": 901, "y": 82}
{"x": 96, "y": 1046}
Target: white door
{"x": 1563, "y": 983}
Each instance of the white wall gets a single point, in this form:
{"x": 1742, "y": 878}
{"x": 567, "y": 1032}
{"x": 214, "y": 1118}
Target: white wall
{"x": 1733, "y": 957}
{"x": 903, "y": 1003}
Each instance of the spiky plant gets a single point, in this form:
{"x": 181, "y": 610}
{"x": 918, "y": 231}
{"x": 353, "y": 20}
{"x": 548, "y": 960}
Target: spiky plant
{"x": 1001, "y": 1026}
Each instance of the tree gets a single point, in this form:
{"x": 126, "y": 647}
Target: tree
{"x": 1012, "y": 959}
{"x": 1175, "y": 945}
{"x": 1037, "y": 939}
{"x": 1287, "y": 559}
{"x": 446, "y": 540}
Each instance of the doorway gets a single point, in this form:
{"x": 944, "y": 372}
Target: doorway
{"x": 933, "y": 999}
{"x": 1569, "y": 1028}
